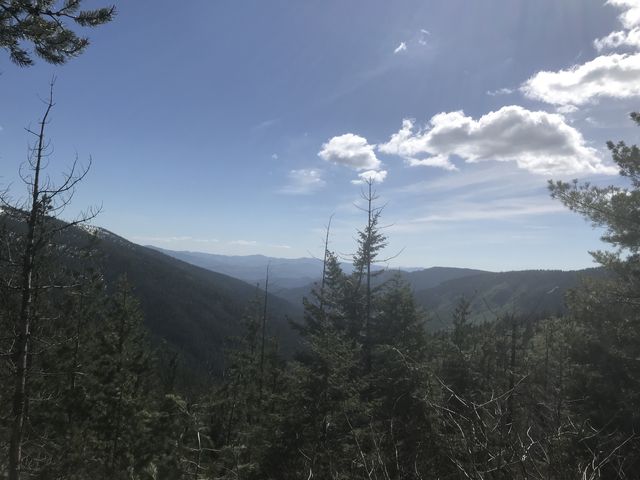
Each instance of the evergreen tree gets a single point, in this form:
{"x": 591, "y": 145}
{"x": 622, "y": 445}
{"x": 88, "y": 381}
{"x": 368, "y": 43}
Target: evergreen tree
{"x": 42, "y": 23}
{"x": 371, "y": 241}
{"x": 316, "y": 433}
{"x": 401, "y": 428}
{"x": 606, "y": 377}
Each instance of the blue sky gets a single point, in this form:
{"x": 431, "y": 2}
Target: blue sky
{"x": 240, "y": 127}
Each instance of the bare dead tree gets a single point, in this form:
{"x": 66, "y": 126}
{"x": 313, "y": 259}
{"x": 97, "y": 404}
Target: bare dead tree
{"x": 325, "y": 258}
{"x": 264, "y": 331}
{"x": 37, "y": 225}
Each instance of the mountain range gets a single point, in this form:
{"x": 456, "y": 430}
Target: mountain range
{"x": 194, "y": 302}
{"x": 437, "y": 289}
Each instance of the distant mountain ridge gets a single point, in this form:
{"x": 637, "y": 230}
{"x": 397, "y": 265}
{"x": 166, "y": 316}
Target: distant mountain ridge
{"x": 283, "y": 272}
{"x": 436, "y": 289}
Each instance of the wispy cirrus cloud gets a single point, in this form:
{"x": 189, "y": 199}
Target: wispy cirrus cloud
{"x": 462, "y": 209}
{"x": 401, "y": 48}
{"x": 255, "y": 243}
{"x": 173, "y": 239}
{"x": 424, "y": 37}
{"x": 500, "y": 91}
{"x": 304, "y": 181}
{"x": 243, "y": 243}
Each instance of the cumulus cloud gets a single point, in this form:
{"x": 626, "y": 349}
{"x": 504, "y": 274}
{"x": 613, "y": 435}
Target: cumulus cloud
{"x": 400, "y": 48}
{"x": 538, "y": 142}
{"x": 376, "y": 176}
{"x": 409, "y": 144}
{"x": 304, "y": 182}
{"x": 352, "y": 151}
{"x": 630, "y": 17}
{"x": 623, "y": 38}
{"x": 607, "y": 76}
{"x": 613, "y": 76}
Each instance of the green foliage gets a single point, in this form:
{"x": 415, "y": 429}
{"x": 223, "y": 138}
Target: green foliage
{"x": 605, "y": 313}
{"x": 42, "y": 23}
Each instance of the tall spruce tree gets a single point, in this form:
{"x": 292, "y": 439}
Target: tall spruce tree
{"x": 371, "y": 241}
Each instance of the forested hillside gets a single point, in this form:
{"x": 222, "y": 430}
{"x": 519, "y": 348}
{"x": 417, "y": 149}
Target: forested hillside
{"x": 536, "y": 293}
{"x": 439, "y": 290}
{"x": 192, "y": 310}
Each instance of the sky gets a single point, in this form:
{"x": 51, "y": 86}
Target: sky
{"x": 240, "y": 127}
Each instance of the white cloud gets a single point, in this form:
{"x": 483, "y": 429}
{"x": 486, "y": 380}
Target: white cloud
{"x": 304, "y": 182}
{"x": 407, "y": 144}
{"x": 350, "y": 150}
{"x": 500, "y": 91}
{"x": 439, "y": 161}
{"x": 538, "y": 142}
{"x": 424, "y": 35}
{"x": 400, "y": 48}
{"x": 274, "y": 156}
{"x": 265, "y": 124}
{"x": 243, "y": 243}
{"x": 607, "y": 76}
{"x": 566, "y": 109}
{"x": 377, "y": 176}
{"x": 630, "y": 17}
{"x": 622, "y": 38}
{"x": 175, "y": 239}
{"x": 612, "y": 76}
{"x": 494, "y": 210}
{"x": 283, "y": 247}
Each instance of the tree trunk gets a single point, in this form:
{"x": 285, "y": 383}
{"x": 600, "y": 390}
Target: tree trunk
{"x": 22, "y": 349}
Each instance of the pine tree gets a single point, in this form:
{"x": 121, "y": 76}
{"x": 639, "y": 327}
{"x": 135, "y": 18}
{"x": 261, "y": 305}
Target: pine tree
{"x": 606, "y": 313}
{"x": 42, "y": 23}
